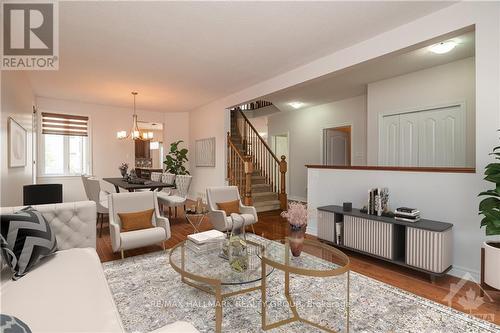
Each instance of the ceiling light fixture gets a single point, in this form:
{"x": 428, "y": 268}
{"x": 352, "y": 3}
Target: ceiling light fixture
{"x": 296, "y": 105}
{"x": 135, "y": 132}
{"x": 443, "y": 47}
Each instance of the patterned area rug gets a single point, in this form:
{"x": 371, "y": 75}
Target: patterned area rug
{"x": 149, "y": 295}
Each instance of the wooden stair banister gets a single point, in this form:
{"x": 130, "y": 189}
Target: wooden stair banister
{"x": 240, "y": 169}
{"x": 262, "y": 157}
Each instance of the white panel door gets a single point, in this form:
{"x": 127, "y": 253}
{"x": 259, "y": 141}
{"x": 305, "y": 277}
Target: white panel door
{"x": 408, "y": 137}
{"x": 442, "y": 137}
{"x": 337, "y": 147}
{"x": 389, "y": 141}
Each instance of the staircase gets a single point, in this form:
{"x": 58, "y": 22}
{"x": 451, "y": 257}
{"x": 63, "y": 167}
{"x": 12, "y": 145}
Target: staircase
{"x": 253, "y": 167}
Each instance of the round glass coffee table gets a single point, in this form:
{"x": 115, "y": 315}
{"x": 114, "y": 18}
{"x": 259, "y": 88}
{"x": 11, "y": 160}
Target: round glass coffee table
{"x": 205, "y": 269}
{"x": 277, "y": 254}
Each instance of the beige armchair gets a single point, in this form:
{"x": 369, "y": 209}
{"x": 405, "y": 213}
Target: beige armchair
{"x": 218, "y": 217}
{"x": 135, "y": 202}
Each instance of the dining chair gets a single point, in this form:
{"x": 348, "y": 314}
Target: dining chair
{"x": 130, "y": 203}
{"x": 99, "y": 197}
{"x": 168, "y": 178}
{"x": 85, "y": 184}
{"x": 103, "y": 195}
{"x": 156, "y": 176}
{"x": 218, "y": 217}
{"x": 179, "y": 197}
{"x": 159, "y": 177}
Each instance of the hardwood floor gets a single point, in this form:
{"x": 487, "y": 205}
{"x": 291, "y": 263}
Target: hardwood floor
{"x": 272, "y": 226}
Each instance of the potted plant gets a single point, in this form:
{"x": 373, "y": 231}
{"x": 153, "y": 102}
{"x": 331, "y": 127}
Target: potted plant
{"x": 297, "y": 219}
{"x": 175, "y": 159}
{"x": 489, "y": 207}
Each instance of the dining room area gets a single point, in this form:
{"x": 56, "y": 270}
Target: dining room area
{"x": 88, "y": 151}
{"x": 156, "y": 184}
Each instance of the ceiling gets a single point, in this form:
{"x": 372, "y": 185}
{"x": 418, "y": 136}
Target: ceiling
{"x": 353, "y": 81}
{"x": 181, "y": 55}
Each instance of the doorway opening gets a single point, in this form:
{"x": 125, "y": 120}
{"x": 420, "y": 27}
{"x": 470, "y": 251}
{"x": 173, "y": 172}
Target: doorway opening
{"x": 337, "y": 146}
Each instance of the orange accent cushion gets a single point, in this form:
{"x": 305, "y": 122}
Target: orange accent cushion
{"x": 229, "y": 207}
{"x": 136, "y": 220}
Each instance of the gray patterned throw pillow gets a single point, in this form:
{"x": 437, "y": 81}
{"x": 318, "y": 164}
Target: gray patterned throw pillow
{"x": 25, "y": 238}
{"x": 11, "y": 324}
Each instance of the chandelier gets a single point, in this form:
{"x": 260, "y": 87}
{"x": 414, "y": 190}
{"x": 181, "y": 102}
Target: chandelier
{"x": 135, "y": 132}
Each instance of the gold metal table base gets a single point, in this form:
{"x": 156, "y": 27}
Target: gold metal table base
{"x": 287, "y": 270}
{"x": 201, "y": 218}
{"x": 214, "y": 286}
{"x": 209, "y": 285}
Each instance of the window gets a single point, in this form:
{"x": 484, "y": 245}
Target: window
{"x": 64, "y": 145}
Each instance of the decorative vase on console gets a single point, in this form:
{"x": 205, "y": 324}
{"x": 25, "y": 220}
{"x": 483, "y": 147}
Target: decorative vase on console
{"x": 297, "y": 218}
{"x": 123, "y": 169}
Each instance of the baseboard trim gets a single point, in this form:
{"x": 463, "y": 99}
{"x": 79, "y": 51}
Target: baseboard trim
{"x": 465, "y": 273}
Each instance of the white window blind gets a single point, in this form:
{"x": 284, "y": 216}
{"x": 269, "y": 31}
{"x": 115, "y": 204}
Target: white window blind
{"x": 64, "y": 124}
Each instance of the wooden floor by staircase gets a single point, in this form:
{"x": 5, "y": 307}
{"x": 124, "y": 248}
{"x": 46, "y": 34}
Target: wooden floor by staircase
{"x": 272, "y": 226}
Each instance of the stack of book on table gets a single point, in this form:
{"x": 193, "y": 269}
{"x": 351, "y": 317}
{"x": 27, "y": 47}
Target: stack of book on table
{"x": 407, "y": 214}
{"x": 205, "y": 241}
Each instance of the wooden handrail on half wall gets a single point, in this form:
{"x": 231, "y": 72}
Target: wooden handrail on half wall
{"x": 393, "y": 168}
{"x": 254, "y": 148}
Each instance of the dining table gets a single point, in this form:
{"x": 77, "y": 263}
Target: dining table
{"x": 131, "y": 187}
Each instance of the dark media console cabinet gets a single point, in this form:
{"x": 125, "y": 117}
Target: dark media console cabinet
{"x": 425, "y": 245}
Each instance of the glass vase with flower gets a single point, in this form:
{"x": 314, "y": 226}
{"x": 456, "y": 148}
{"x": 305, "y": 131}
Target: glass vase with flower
{"x": 297, "y": 220}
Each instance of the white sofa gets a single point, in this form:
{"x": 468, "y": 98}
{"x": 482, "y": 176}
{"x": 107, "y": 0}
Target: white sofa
{"x": 67, "y": 292}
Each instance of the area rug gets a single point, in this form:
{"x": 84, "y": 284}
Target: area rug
{"x": 149, "y": 294}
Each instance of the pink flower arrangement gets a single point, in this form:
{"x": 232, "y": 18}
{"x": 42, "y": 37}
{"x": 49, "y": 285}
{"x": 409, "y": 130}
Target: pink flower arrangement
{"x": 296, "y": 215}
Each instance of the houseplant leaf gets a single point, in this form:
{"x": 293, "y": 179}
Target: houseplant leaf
{"x": 489, "y": 204}
{"x": 489, "y": 207}
{"x": 176, "y": 158}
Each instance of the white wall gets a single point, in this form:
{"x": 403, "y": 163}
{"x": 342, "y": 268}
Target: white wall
{"x": 446, "y": 84}
{"x": 175, "y": 127}
{"x": 107, "y": 151}
{"x": 305, "y": 128}
{"x": 260, "y": 125}
{"x": 464, "y": 201}
{"x": 206, "y": 122}
{"x": 17, "y": 102}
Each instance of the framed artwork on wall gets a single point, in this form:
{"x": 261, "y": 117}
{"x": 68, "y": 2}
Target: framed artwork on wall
{"x": 205, "y": 152}
{"x": 17, "y": 141}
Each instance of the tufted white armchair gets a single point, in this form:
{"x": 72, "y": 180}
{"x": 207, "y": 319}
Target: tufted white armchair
{"x": 168, "y": 178}
{"x": 73, "y": 223}
{"x": 135, "y": 202}
{"x": 218, "y": 217}
{"x": 179, "y": 197}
